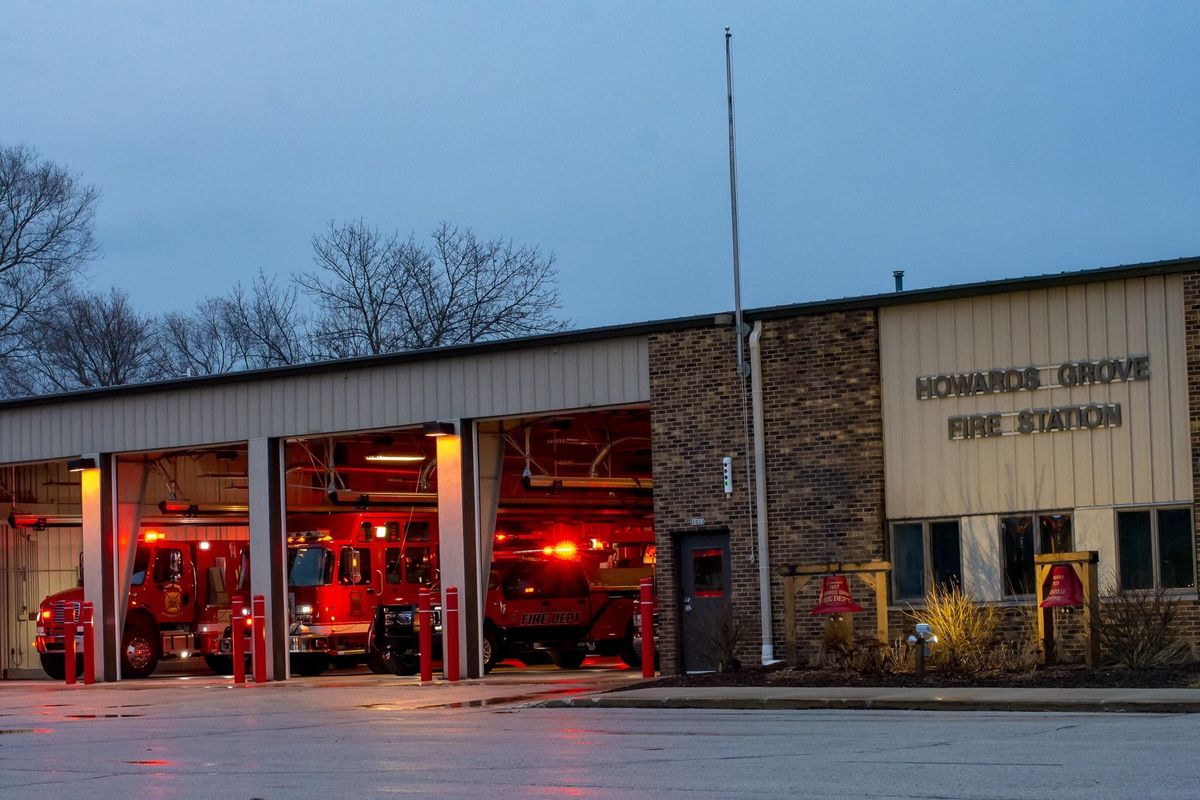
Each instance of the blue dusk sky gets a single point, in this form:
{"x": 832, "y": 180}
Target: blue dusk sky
{"x": 959, "y": 141}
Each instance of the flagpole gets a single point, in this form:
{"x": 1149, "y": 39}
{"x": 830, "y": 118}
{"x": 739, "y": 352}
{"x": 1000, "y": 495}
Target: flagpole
{"x": 733, "y": 210}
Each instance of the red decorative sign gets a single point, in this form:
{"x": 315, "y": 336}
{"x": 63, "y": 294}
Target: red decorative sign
{"x": 835, "y": 597}
{"x": 1065, "y": 588}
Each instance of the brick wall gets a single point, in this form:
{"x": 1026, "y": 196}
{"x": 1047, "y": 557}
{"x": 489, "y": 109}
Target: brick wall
{"x": 824, "y": 436}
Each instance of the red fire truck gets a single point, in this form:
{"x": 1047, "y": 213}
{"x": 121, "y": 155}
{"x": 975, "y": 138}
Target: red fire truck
{"x": 545, "y": 600}
{"x": 173, "y": 585}
{"x": 340, "y": 568}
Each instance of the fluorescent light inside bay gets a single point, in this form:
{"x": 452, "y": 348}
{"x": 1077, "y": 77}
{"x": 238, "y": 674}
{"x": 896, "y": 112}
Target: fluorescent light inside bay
{"x": 396, "y": 458}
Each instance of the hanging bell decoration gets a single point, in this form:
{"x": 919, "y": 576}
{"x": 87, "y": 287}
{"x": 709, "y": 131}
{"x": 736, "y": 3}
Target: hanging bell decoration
{"x": 1065, "y": 588}
{"x": 835, "y": 597}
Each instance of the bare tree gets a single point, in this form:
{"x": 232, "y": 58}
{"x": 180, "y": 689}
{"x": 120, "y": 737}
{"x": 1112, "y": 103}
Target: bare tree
{"x": 266, "y": 324}
{"x": 86, "y": 341}
{"x": 199, "y": 342}
{"x": 379, "y": 293}
{"x": 474, "y": 290}
{"x": 358, "y": 287}
{"x": 45, "y": 237}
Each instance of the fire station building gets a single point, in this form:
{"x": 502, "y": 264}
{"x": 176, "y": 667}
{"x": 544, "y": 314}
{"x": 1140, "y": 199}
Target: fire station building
{"x": 952, "y": 432}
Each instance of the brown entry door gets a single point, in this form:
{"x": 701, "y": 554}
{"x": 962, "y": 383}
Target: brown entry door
{"x": 705, "y": 612}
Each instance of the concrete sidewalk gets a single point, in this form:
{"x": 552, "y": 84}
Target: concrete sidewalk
{"x": 1174, "y": 701}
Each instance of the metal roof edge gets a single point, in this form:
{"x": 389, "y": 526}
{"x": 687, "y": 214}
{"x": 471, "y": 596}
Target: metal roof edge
{"x": 720, "y": 318}
{"x": 601, "y": 333}
{"x": 978, "y": 288}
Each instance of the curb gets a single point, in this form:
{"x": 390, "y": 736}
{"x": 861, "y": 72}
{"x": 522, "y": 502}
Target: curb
{"x": 855, "y": 704}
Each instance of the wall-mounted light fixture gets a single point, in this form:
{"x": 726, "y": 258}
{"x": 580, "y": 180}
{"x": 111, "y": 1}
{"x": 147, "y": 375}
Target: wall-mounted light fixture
{"x": 80, "y": 464}
{"x": 438, "y": 428}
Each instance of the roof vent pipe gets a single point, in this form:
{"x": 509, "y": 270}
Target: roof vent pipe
{"x": 898, "y": 274}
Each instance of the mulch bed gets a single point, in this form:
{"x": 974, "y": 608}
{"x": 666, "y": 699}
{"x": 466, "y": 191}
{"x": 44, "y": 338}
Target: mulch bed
{"x": 1176, "y": 677}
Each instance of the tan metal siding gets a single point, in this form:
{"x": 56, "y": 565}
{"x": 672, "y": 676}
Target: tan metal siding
{"x": 526, "y": 381}
{"x": 1146, "y": 459}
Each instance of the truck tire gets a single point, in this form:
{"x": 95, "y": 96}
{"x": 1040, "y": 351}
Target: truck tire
{"x": 141, "y": 649}
{"x": 568, "y": 659}
{"x": 628, "y": 653}
{"x": 309, "y": 664}
{"x": 376, "y": 662}
{"x": 55, "y": 665}
{"x": 492, "y": 654}
{"x": 220, "y": 665}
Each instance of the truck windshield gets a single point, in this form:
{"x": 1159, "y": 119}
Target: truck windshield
{"x": 141, "y": 562}
{"x": 309, "y": 566}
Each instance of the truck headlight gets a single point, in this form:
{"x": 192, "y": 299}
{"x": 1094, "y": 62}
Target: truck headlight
{"x": 304, "y": 614}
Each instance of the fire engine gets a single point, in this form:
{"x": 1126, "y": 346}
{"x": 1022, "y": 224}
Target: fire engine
{"x": 173, "y": 585}
{"x": 340, "y": 568}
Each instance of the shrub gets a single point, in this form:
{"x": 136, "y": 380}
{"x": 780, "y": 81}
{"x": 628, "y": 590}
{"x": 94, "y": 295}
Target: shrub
{"x": 1137, "y": 628}
{"x": 965, "y": 629}
{"x": 724, "y": 640}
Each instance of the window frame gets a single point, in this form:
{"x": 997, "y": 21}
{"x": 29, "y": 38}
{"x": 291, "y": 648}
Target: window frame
{"x": 1155, "y": 557}
{"x": 926, "y": 555}
{"x": 1005, "y": 595}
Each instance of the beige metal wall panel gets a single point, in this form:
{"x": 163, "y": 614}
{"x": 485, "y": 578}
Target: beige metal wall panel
{"x": 1146, "y": 459}
{"x": 981, "y": 563}
{"x": 1096, "y": 529}
{"x": 529, "y": 380}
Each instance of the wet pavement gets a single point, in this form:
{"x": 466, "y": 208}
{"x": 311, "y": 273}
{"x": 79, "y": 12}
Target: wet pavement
{"x": 358, "y": 735}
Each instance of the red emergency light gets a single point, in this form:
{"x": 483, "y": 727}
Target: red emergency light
{"x": 561, "y": 550}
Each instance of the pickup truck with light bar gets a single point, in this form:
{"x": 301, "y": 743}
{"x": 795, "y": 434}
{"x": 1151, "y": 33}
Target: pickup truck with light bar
{"x": 173, "y": 585}
{"x": 546, "y": 603}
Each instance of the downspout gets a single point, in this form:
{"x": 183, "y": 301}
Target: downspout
{"x": 760, "y": 495}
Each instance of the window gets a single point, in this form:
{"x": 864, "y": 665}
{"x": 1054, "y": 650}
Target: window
{"x": 1154, "y": 549}
{"x": 418, "y": 565}
{"x": 1023, "y": 536}
{"x": 309, "y": 566}
{"x": 141, "y": 562}
{"x": 925, "y": 554}
{"x": 708, "y": 572}
{"x": 391, "y": 560}
{"x": 168, "y": 566}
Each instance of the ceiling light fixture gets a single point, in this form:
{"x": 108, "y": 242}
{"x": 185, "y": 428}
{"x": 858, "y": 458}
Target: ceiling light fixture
{"x": 397, "y": 458}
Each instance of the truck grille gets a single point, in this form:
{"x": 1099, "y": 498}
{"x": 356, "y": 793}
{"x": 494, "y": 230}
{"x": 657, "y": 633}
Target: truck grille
{"x": 60, "y": 612}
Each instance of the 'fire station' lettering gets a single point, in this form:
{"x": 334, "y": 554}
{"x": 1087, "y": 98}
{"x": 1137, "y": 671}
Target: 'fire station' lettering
{"x": 1036, "y": 420}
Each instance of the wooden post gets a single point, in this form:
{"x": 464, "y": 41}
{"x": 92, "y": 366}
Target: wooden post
{"x": 1085, "y": 564}
{"x": 1045, "y": 616}
{"x": 789, "y": 617}
{"x": 1088, "y": 576}
{"x": 797, "y": 576}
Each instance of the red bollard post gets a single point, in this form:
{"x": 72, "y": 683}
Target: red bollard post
{"x": 647, "y": 611}
{"x": 450, "y": 633}
{"x": 237, "y": 637}
{"x": 88, "y": 620}
{"x": 259, "y": 612}
{"x": 69, "y": 629}
{"x": 425, "y": 634}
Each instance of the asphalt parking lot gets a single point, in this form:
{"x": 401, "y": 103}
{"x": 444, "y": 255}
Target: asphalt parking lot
{"x": 358, "y": 735}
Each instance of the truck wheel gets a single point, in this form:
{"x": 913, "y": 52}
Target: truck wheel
{"x": 54, "y": 665}
{"x": 140, "y": 649}
{"x": 491, "y": 649}
{"x": 376, "y": 662}
{"x": 309, "y": 664}
{"x": 568, "y": 659}
{"x": 221, "y": 665}
{"x": 628, "y": 653}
